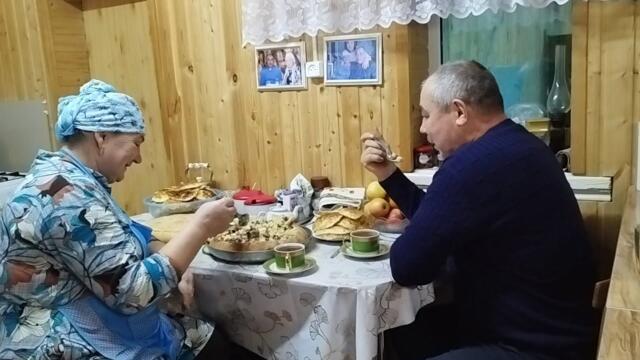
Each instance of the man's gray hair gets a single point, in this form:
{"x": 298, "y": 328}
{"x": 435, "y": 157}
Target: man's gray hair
{"x": 468, "y": 81}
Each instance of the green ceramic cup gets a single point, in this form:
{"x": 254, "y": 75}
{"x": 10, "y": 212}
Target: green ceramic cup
{"x": 365, "y": 241}
{"x": 289, "y": 256}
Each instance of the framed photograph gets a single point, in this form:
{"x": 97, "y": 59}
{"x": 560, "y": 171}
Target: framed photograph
{"x": 353, "y": 59}
{"x": 281, "y": 66}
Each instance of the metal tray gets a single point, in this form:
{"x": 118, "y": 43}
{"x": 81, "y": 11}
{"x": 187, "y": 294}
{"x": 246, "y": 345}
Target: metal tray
{"x": 248, "y": 257}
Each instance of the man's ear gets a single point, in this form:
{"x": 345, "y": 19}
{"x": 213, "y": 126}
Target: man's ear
{"x": 462, "y": 110}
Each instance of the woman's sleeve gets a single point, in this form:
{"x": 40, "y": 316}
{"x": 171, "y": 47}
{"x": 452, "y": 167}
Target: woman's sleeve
{"x": 104, "y": 253}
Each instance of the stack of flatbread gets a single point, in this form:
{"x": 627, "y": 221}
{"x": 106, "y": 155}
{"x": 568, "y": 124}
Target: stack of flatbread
{"x": 166, "y": 227}
{"x": 184, "y": 193}
{"x": 336, "y": 225}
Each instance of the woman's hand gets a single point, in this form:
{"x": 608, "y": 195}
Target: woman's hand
{"x": 214, "y": 217}
{"x": 374, "y": 156}
{"x": 211, "y": 219}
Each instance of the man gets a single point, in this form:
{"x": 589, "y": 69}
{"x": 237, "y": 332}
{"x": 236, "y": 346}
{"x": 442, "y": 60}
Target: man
{"x": 364, "y": 67}
{"x": 270, "y": 74}
{"x": 502, "y": 210}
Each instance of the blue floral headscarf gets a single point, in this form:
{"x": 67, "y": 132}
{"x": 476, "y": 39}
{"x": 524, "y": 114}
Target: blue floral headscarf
{"x": 98, "y": 107}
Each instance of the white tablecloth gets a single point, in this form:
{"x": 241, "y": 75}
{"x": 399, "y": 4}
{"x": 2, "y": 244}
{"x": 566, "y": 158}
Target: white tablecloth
{"x": 334, "y": 312}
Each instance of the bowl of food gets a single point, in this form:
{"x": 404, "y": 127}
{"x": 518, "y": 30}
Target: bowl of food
{"x": 393, "y": 225}
{"x": 181, "y": 199}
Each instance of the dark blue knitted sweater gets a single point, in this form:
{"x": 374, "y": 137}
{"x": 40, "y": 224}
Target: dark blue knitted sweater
{"x": 501, "y": 208}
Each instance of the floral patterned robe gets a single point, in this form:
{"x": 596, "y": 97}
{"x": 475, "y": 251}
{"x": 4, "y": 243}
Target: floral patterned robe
{"x": 62, "y": 235}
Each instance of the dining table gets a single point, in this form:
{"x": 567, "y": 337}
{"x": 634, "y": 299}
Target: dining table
{"x": 339, "y": 309}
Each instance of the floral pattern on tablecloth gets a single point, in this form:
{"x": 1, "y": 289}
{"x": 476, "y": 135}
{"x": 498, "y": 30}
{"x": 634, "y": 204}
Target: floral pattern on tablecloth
{"x": 334, "y": 312}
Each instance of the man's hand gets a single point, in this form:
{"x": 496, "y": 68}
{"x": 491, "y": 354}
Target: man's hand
{"x": 374, "y": 156}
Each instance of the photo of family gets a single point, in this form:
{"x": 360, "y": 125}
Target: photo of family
{"x": 353, "y": 59}
{"x": 281, "y": 66}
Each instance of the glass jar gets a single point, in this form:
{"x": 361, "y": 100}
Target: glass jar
{"x": 425, "y": 157}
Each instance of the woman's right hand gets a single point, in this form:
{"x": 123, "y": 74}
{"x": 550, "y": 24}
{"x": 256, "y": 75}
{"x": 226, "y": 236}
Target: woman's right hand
{"x": 214, "y": 217}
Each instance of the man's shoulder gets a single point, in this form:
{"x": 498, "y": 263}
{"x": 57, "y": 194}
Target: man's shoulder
{"x": 506, "y": 153}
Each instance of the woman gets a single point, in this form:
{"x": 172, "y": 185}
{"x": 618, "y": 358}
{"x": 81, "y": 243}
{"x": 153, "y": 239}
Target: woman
{"x": 292, "y": 74}
{"x": 77, "y": 280}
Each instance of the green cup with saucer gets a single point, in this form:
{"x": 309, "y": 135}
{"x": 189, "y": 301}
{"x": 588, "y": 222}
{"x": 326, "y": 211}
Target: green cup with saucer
{"x": 365, "y": 241}
{"x": 289, "y": 259}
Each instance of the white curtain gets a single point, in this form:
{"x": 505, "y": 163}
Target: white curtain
{"x": 275, "y": 20}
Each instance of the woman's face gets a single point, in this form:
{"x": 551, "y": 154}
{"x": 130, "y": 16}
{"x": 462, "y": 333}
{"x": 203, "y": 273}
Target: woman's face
{"x": 351, "y": 45}
{"x": 290, "y": 60}
{"x": 117, "y": 151}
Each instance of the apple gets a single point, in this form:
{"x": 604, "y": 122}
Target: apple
{"x": 377, "y": 208}
{"x": 375, "y": 191}
{"x": 393, "y": 204}
{"x": 395, "y": 214}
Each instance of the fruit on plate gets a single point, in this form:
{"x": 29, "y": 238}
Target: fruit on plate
{"x": 395, "y": 214}
{"x": 375, "y": 191}
{"x": 392, "y": 203}
{"x": 377, "y": 207}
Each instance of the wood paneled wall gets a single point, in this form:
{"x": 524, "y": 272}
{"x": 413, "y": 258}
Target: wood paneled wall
{"x": 42, "y": 51}
{"x": 203, "y": 104}
{"x": 21, "y": 53}
{"x": 123, "y": 56}
{"x": 605, "y": 105}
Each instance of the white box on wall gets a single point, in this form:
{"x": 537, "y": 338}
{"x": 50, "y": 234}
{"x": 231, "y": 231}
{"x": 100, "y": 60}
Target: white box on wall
{"x": 314, "y": 69}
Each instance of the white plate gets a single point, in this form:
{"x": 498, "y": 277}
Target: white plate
{"x": 319, "y": 237}
{"x": 271, "y": 267}
{"x": 383, "y": 250}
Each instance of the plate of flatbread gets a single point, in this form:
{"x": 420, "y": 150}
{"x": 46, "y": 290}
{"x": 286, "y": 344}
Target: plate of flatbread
{"x": 338, "y": 224}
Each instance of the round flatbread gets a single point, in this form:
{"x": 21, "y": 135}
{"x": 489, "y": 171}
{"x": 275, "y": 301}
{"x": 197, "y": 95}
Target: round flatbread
{"x": 167, "y": 227}
{"x": 351, "y": 213}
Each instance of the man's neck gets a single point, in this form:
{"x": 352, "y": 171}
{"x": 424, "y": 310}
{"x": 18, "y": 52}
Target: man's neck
{"x": 487, "y": 122}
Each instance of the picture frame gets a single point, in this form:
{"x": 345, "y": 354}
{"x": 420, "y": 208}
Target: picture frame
{"x": 353, "y": 59}
{"x": 287, "y": 71}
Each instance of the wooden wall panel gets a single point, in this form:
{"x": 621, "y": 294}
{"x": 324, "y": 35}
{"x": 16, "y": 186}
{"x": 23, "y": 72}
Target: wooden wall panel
{"x": 21, "y": 54}
{"x": 266, "y": 138}
{"x": 42, "y": 51}
{"x": 123, "y": 56}
{"x": 603, "y": 100}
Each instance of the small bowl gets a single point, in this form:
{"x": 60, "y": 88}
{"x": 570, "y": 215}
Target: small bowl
{"x": 390, "y": 226}
{"x": 175, "y": 207}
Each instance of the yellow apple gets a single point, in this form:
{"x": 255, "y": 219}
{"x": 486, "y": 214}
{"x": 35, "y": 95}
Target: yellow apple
{"x": 377, "y": 207}
{"x": 375, "y": 191}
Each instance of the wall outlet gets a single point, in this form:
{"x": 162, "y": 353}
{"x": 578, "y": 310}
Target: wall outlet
{"x": 314, "y": 69}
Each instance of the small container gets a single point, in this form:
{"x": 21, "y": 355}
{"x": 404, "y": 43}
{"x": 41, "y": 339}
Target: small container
{"x": 261, "y": 203}
{"x": 390, "y": 226}
{"x": 320, "y": 182}
{"x": 243, "y": 195}
{"x": 425, "y": 157}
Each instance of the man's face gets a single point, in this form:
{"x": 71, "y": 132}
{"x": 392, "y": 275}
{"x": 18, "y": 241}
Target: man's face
{"x": 440, "y": 125}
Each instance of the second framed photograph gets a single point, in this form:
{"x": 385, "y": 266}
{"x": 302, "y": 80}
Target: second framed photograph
{"x": 353, "y": 59}
{"x": 281, "y": 66}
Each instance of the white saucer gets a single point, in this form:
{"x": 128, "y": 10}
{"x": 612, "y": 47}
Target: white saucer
{"x": 271, "y": 267}
{"x": 383, "y": 250}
